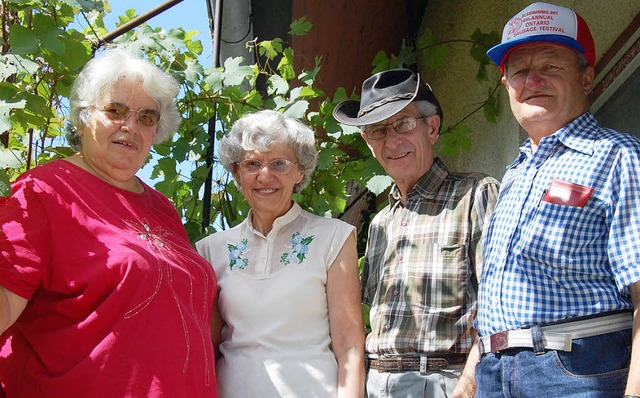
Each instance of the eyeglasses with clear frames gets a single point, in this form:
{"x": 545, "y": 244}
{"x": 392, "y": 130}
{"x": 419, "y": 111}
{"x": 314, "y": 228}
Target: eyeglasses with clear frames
{"x": 278, "y": 166}
{"x": 120, "y": 113}
{"x": 400, "y": 126}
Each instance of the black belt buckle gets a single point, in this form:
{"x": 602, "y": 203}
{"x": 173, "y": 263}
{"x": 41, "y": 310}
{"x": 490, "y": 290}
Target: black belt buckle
{"x": 499, "y": 341}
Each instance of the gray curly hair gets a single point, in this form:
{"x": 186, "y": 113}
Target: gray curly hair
{"x": 260, "y": 132}
{"x": 100, "y": 74}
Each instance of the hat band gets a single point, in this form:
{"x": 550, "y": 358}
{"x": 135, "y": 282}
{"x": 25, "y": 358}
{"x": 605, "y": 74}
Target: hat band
{"x": 384, "y": 101}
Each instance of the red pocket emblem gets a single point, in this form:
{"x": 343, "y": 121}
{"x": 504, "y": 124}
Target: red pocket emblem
{"x": 567, "y": 193}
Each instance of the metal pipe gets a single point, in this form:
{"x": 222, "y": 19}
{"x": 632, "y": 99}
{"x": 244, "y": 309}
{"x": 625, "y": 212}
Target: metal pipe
{"x": 139, "y": 20}
{"x": 216, "y": 32}
{"x": 211, "y": 127}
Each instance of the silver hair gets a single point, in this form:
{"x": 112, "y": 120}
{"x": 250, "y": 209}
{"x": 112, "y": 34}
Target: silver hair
{"x": 426, "y": 108}
{"x": 582, "y": 62}
{"x": 100, "y": 74}
{"x": 262, "y": 131}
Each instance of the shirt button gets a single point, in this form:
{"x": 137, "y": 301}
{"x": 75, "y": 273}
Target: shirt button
{"x": 404, "y": 223}
{"x": 400, "y": 258}
{"x": 395, "y": 292}
{"x": 387, "y": 326}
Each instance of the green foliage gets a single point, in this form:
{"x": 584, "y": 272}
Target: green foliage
{"x": 379, "y": 183}
{"x": 481, "y": 42}
{"x": 490, "y": 107}
{"x": 382, "y": 61}
{"x": 39, "y": 61}
{"x": 5, "y": 188}
{"x": 457, "y": 139}
{"x": 433, "y": 53}
{"x": 43, "y": 54}
{"x": 300, "y": 27}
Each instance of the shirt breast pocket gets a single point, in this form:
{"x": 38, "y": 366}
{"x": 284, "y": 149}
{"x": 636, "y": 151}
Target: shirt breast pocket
{"x": 558, "y": 233}
{"x": 442, "y": 275}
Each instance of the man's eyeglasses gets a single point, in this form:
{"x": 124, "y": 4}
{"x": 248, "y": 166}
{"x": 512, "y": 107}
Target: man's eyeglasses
{"x": 120, "y": 113}
{"x": 401, "y": 126}
{"x": 278, "y": 166}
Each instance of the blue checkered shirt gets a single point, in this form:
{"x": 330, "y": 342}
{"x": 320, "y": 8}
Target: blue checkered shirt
{"x": 545, "y": 262}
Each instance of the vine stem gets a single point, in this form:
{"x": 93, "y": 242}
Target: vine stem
{"x": 478, "y": 108}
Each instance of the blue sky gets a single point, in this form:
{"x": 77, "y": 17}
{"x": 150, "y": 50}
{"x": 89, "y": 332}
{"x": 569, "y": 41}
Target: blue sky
{"x": 189, "y": 15}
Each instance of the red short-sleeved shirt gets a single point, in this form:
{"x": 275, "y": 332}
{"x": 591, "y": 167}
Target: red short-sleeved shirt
{"x": 119, "y": 301}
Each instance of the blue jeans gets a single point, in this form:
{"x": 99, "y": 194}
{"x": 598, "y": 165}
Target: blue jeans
{"x": 596, "y": 367}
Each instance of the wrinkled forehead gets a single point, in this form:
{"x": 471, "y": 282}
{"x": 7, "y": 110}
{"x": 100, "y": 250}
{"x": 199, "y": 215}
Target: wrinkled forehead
{"x": 127, "y": 91}
{"x": 539, "y": 51}
{"x": 276, "y": 150}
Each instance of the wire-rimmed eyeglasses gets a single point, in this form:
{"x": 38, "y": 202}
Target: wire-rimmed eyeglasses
{"x": 120, "y": 113}
{"x": 400, "y": 126}
{"x": 278, "y": 166}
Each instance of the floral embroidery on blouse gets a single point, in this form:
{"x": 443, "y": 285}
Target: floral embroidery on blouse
{"x": 299, "y": 248}
{"x": 236, "y": 261}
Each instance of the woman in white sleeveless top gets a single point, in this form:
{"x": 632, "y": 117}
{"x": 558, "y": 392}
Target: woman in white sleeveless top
{"x": 289, "y": 298}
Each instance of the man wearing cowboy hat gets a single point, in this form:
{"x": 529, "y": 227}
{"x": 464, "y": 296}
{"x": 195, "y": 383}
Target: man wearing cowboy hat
{"x": 423, "y": 257}
{"x": 561, "y": 273}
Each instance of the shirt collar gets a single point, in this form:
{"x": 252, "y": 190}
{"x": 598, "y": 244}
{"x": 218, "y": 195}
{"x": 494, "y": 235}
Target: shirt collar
{"x": 579, "y": 135}
{"x": 427, "y": 186}
{"x": 279, "y": 222}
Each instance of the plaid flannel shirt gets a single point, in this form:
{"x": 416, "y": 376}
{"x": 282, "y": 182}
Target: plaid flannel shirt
{"x": 422, "y": 263}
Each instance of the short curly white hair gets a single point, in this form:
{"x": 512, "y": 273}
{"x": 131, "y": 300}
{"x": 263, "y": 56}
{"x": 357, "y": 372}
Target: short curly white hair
{"x": 260, "y": 132}
{"x": 100, "y": 74}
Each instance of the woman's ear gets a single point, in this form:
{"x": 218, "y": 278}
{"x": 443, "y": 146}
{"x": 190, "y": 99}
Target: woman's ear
{"x": 300, "y": 177}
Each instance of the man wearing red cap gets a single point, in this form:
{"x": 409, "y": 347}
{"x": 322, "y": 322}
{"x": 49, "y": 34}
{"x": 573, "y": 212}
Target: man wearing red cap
{"x": 422, "y": 262}
{"x": 561, "y": 274}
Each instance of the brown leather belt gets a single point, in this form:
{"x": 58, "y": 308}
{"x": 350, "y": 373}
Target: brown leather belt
{"x": 392, "y": 364}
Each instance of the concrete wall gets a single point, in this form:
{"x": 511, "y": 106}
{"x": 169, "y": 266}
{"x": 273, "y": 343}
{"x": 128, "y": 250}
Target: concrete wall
{"x": 496, "y": 145}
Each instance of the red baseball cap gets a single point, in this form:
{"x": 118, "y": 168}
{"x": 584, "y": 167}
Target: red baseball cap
{"x": 544, "y": 22}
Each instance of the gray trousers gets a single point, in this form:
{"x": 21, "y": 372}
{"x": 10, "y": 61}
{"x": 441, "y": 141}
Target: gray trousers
{"x": 433, "y": 384}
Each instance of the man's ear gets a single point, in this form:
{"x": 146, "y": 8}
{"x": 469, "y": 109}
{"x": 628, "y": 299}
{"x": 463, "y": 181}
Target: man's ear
{"x": 434, "y": 125}
{"x": 364, "y": 137}
{"x": 587, "y": 80}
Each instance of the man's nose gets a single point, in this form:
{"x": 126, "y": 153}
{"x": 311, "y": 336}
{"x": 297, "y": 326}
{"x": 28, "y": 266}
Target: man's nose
{"x": 392, "y": 139}
{"x": 534, "y": 79}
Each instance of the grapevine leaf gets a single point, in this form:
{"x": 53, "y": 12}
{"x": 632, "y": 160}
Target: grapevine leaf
{"x": 300, "y": 27}
{"x": 378, "y": 184}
